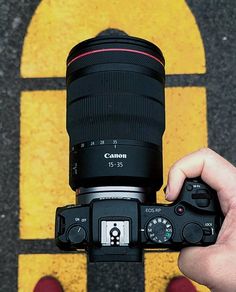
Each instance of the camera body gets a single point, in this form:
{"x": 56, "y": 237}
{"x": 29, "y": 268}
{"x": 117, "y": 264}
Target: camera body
{"x": 116, "y": 225}
{"x": 116, "y": 120}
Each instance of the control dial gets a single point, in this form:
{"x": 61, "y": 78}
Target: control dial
{"x": 192, "y": 233}
{"x": 159, "y": 230}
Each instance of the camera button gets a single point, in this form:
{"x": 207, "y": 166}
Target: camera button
{"x": 179, "y": 210}
{"x": 189, "y": 187}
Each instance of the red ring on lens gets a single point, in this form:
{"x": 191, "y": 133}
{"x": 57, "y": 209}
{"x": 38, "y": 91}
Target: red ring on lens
{"x": 115, "y": 50}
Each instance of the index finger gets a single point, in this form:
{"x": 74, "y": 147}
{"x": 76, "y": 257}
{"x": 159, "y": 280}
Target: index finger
{"x": 216, "y": 171}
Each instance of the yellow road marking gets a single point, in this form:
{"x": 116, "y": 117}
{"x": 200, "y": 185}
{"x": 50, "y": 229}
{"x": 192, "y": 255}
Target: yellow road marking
{"x": 43, "y": 162}
{"x": 59, "y": 25}
{"x": 70, "y": 270}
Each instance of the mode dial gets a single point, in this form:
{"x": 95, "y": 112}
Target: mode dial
{"x": 159, "y": 230}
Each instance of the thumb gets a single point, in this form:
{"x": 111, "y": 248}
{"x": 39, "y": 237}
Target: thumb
{"x": 197, "y": 264}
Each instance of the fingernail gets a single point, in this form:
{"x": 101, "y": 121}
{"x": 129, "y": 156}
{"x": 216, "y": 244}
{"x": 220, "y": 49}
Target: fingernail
{"x": 167, "y": 191}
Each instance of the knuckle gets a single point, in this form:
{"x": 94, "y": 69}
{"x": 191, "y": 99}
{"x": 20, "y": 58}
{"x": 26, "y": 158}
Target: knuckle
{"x": 208, "y": 154}
{"x": 173, "y": 167}
{"x": 205, "y": 151}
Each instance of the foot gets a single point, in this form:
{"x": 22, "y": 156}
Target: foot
{"x": 48, "y": 284}
{"x": 180, "y": 284}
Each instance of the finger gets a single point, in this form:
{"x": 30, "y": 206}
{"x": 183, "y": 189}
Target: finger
{"x": 213, "y": 169}
{"x": 189, "y": 166}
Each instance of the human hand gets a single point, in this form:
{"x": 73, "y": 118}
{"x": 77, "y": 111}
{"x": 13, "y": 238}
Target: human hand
{"x": 213, "y": 266}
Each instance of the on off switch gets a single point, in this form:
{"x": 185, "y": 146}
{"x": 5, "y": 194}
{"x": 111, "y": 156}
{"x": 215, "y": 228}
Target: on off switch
{"x": 76, "y": 234}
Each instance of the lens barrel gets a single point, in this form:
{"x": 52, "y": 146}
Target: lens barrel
{"x": 115, "y": 112}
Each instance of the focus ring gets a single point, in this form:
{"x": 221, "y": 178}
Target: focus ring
{"x": 120, "y": 116}
{"x": 121, "y": 105}
{"x": 115, "y": 81}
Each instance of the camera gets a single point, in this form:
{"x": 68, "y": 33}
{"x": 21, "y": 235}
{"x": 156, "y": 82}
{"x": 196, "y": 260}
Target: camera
{"x": 115, "y": 121}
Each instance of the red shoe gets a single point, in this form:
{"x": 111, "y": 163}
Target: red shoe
{"x": 180, "y": 284}
{"x": 48, "y": 284}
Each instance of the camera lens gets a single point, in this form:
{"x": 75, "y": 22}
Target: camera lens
{"x": 115, "y": 112}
